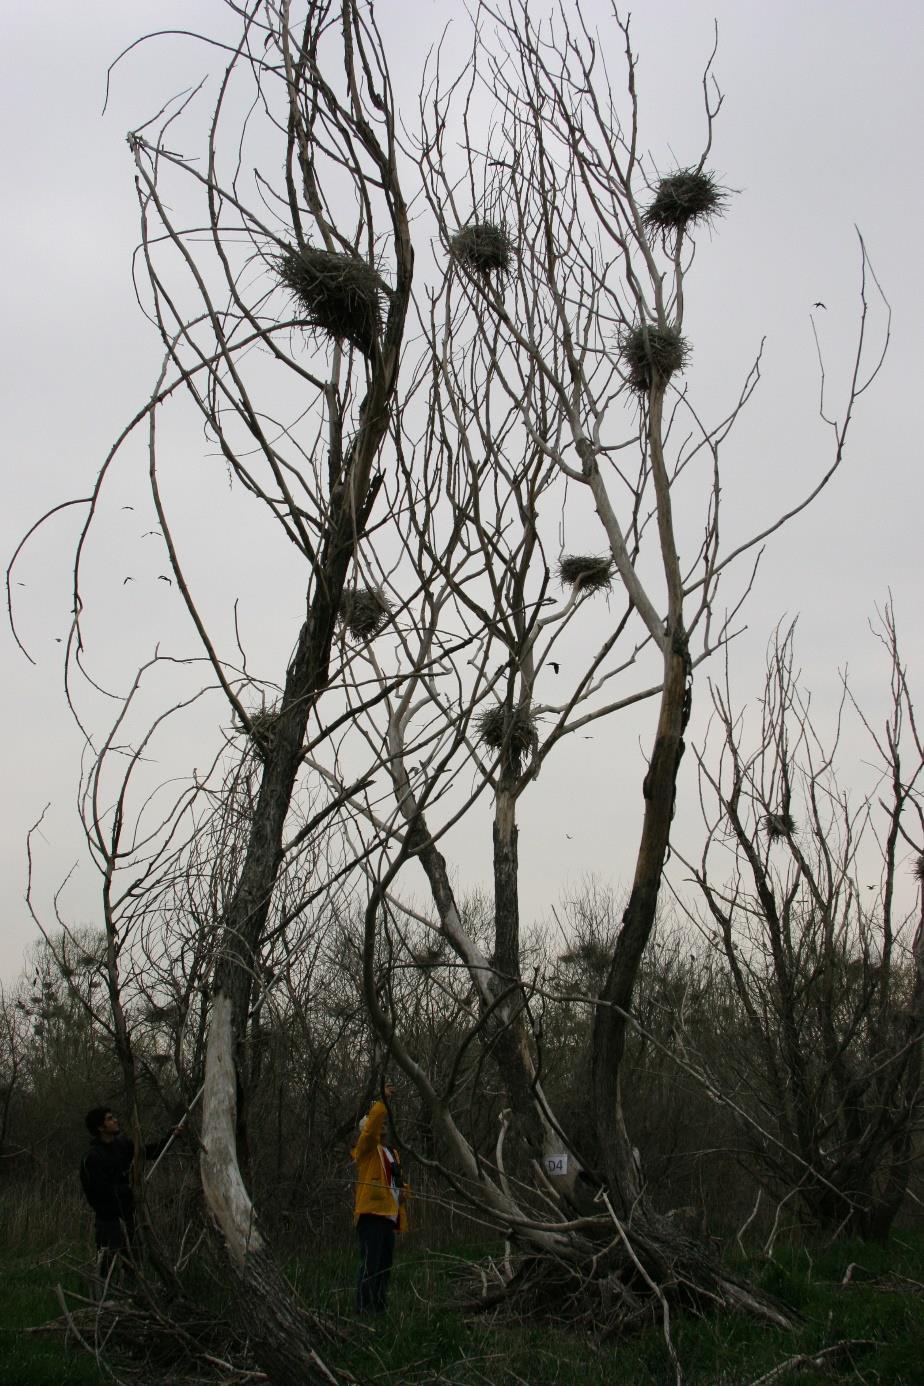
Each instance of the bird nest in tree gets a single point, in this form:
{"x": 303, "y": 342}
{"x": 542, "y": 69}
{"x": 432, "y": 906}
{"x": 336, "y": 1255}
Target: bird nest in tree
{"x": 587, "y": 572}
{"x": 779, "y": 825}
{"x": 652, "y": 351}
{"x": 596, "y": 957}
{"x": 262, "y": 728}
{"x": 364, "y": 612}
{"x": 919, "y": 869}
{"x": 161, "y": 1013}
{"x": 483, "y": 247}
{"x": 340, "y": 295}
{"x": 684, "y": 198}
{"x": 516, "y": 730}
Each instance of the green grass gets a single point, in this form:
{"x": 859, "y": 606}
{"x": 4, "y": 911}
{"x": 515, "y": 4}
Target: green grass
{"x": 27, "y": 1299}
{"x": 424, "y": 1337}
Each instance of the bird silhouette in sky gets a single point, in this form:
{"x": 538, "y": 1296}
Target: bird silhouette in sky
{"x": 820, "y": 305}
{"x": 161, "y": 577}
{"x": 553, "y": 666}
{"x": 128, "y": 579}
{"x": 128, "y": 507}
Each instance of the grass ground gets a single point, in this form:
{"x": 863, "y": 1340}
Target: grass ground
{"x": 425, "y": 1338}
{"x": 27, "y": 1299}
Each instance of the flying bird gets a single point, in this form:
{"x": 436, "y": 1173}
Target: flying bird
{"x": 820, "y": 305}
{"x": 128, "y": 507}
{"x": 553, "y": 666}
{"x": 162, "y": 578}
{"x": 128, "y": 579}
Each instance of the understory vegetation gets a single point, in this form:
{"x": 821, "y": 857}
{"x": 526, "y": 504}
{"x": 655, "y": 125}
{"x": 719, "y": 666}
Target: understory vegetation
{"x": 699, "y": 1161}
{"x": 429, "y": 1337}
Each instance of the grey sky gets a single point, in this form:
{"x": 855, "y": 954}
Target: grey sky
{"x": 820, "y": 130}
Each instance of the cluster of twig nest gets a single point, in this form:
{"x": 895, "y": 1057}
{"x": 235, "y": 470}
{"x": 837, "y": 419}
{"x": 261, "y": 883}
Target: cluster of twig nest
{"x": 339, "y": 295}
{"x": 484, "y": 247}
{"x": 919, "y": 869}
{"x": 262, "y": 728}
{"x": 587, "y": 572}
{"x": 364, "y": 612}
{"x": 593, "y": 956}
{"x": 685, "y": 198}
{"x": 652, "y": 352}
{"x": 161, "y": 1012}
{"x": 780, "y": 825}
{"x": 500, "y": 728}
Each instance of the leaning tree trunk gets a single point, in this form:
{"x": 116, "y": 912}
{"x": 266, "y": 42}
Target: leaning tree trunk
{"x": 670, "y": 1262}
{"x": 508, "y": 1038}
{"x": 659, "y": 792}
{"x": 609, "y": 1031}
{"x": 282, "y": 1336}
{"x": 281, "y": 1332}
{"x": 496, "y": 981}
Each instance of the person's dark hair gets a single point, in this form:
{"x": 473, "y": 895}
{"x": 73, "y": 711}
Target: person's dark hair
{"x": 95, "y": 1118}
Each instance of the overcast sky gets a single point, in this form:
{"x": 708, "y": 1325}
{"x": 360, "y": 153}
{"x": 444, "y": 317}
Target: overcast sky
{"x": 820, "y": 132}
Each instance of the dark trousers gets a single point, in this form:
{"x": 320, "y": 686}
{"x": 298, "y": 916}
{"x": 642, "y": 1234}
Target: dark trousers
{"x": 376, "y": 1252}
{"x": 113, "y": 1235}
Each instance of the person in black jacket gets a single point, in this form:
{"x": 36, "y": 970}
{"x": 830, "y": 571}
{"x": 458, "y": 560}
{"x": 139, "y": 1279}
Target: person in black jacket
{"x": 105, "y": 1175}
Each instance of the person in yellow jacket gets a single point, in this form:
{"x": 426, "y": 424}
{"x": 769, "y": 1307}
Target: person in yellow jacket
{"x": 379, "y": 1209}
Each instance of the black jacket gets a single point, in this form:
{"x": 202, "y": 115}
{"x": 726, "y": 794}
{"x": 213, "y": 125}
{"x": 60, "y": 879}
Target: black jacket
{"x": 105, "y": 1176}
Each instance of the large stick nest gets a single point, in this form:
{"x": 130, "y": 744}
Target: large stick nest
{"x": 483, "y": 247}
{"x": 780, "y": 825}
{"x": 651, "y": 352}
{"x": 684, "y": 199}
{"x": 339, "y": 295}
{"x": 587, "y": 572}
{"x": 498, "y": 727}
{"x": 262, "y": 729}
{"x": 364, "y": 612}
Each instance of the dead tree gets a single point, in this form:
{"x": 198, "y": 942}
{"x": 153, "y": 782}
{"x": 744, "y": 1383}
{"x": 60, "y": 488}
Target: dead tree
{"x": 827, "y": 969}
{"x": 558, "y": 347}
{"x": 553, "y": 347}
{"x": 314, "y": 279}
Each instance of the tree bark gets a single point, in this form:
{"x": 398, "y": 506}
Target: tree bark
{"x": 282, "y": 1333}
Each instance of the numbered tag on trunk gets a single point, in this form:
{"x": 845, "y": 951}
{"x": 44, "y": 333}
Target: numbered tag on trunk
{"x": 556, "y": 1165}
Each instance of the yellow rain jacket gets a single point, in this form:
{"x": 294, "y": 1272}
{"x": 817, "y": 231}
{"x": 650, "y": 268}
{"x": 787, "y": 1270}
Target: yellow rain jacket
{"x": 374, "y": 1193}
